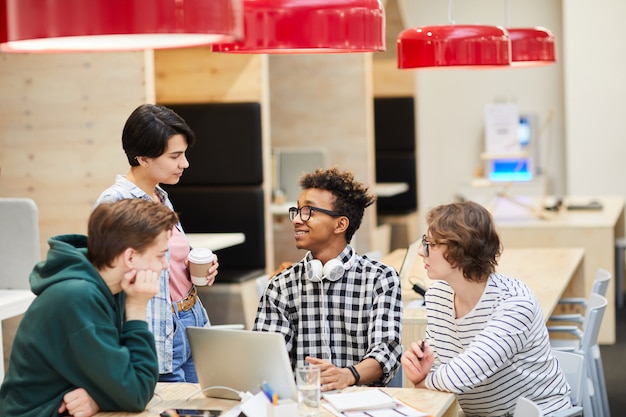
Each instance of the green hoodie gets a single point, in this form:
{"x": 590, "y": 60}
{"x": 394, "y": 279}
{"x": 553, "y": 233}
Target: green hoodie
{"x": 74, "y": 336}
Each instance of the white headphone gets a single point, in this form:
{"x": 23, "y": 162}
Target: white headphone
{"x": 332, "y": 270}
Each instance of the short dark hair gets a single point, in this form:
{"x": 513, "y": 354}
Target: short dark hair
{"x": 128, "y": 223}
{"x": 469, "y": 233}
{"x": 147, "y": 130}
{"x": 351, "y": 196}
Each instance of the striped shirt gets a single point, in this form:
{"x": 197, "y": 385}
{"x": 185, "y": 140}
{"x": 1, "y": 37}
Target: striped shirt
{"x": 496, "y": 353}
{"x": 356, "y": 317}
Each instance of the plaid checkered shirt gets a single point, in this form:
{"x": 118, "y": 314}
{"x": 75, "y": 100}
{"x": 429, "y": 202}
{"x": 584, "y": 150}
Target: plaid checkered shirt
{"x": 356, "y": 317}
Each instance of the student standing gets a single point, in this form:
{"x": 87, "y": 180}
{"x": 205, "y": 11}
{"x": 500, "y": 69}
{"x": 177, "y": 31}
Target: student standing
{"x": 84, "y": 345}
{"x": 487, "y": 340}
{"x": 155, "y": 140}
{"x": 335, "y": 308}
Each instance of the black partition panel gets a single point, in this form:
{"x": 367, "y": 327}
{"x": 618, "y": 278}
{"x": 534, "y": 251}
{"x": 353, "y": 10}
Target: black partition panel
{"x": 228, "y": 149}
{"x": 394, "y": 128}
{"x": 397, "y": 167}
{"x": 223, "y": 210}
{"x": 394, "y": 124}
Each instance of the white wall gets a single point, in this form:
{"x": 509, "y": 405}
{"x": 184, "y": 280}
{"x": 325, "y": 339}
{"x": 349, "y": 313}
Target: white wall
{"x": 595, "y": 91}
{"x": 450, "y": 103}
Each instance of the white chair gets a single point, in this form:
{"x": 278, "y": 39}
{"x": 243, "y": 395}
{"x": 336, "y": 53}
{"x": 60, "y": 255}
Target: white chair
{"x": 585, "y": 343}
{"x": 600, "y": 286}
{"x": 526, "y": 408}
{"x": 19, "y": 242}
{"x": 261, "y": 283}
{"x": 620, "y": 248}
{"x": 573, "y": 367}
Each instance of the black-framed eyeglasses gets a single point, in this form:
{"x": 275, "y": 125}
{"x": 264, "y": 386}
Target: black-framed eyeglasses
{"x": 305, "y": 212}
{"x": 425, "y": 245}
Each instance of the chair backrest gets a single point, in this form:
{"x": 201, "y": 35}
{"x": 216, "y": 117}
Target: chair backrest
{"x": 526, "y": 408}
{"x": 573, "y": 367}
{"x": 601, "y": 282}
{"x": 19, "y": 241}
{"x": 261, "y": 283}
{"x": 593, "y": 320}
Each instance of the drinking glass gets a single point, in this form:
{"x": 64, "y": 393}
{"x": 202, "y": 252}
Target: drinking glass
{"x": 308, "y": 384}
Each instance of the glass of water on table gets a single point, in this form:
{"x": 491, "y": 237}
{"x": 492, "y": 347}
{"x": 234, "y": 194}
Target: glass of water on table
{"x": 308, "y": 384}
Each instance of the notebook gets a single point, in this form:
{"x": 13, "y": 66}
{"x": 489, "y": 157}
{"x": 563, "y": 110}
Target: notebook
{"x": 241, "y": 360}
{"x": 360, "y": 400}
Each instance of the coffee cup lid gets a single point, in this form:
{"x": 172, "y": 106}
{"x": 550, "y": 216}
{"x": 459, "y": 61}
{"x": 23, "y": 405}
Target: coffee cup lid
{"x": 200, "y": 255}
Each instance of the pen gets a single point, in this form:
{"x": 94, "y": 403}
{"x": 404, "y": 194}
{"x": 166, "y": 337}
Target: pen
{"x": 274, "y": 399}
{"x": 265, "y": 387}
{"x": 422, "y": 348}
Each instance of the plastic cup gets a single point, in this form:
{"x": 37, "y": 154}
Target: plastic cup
{"x": 308, "y": 385}
{"x": 200, "y": 259}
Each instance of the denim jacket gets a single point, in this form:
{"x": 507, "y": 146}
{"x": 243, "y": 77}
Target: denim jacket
{"x": 159, "y": 311}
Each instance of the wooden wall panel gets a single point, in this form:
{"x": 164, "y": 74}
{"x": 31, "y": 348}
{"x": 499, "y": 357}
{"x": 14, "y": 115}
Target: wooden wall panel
{"x": 389, "y": 81}
{"x": 326, "y": 100}
{"x": 61, "y": 117}
{"x": 197, "y": 75}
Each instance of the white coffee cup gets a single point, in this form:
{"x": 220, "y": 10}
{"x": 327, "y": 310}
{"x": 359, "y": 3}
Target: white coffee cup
{"x": 200, "y": 259}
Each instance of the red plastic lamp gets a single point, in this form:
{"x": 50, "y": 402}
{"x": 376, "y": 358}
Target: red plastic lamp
{"x": 531, "y": 46}
{"x": 454, "y": 46}
{"x": 114, "y": 25}
{"x": 310, "y": 26}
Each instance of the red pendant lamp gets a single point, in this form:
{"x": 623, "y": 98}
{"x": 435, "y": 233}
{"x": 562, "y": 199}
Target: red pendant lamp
{"x": 114, "y": 25}
{"x": 531, "y": 47}
{"x": 454, "y": 46}
{"x": 310, "y": 26}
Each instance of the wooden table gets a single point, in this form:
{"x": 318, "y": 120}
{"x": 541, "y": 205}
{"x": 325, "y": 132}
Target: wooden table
{"x": 550, "y": 273}
{"x": 593, "y": 230}
{"x": 12, "y": 304}
{"x": 182, "y": 395}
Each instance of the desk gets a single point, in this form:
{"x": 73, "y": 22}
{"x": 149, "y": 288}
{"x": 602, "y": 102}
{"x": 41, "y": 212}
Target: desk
{"x": 12, "y": 303}
{"x": 593, "y": 230}
{"x": 215, "y": 241}
{"x": 175, "y": 395}
{"x": 550, "y": 273}
{"x": 390, "y": 189}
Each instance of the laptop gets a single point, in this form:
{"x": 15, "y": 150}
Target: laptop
{"x": 410, "y": 257}
{"x": 241, "y": 360}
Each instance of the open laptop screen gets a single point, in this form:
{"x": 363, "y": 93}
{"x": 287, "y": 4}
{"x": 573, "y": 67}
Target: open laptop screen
{"x": 228, "y": 361}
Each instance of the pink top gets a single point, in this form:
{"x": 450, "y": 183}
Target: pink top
{"x": 180, "y": 283}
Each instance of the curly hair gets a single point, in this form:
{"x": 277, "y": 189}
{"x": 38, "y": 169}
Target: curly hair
{"x": 351, "y": 197}
{"x": 468, "y": 231}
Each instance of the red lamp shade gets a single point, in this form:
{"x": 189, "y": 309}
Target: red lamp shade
{"x": 310, "y": 26}
{"x": 531, "y": 46}
{"x": 474, "y": 46}
{"x": 107, "y": 25}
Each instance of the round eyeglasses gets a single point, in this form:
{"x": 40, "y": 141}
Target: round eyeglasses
{"x": 305, "y": 212}
{"x": 425, "y": 245}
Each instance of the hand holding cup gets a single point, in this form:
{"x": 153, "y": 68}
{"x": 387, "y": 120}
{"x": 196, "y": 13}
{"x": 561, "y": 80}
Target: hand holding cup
{"x": 200, "y": 260}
